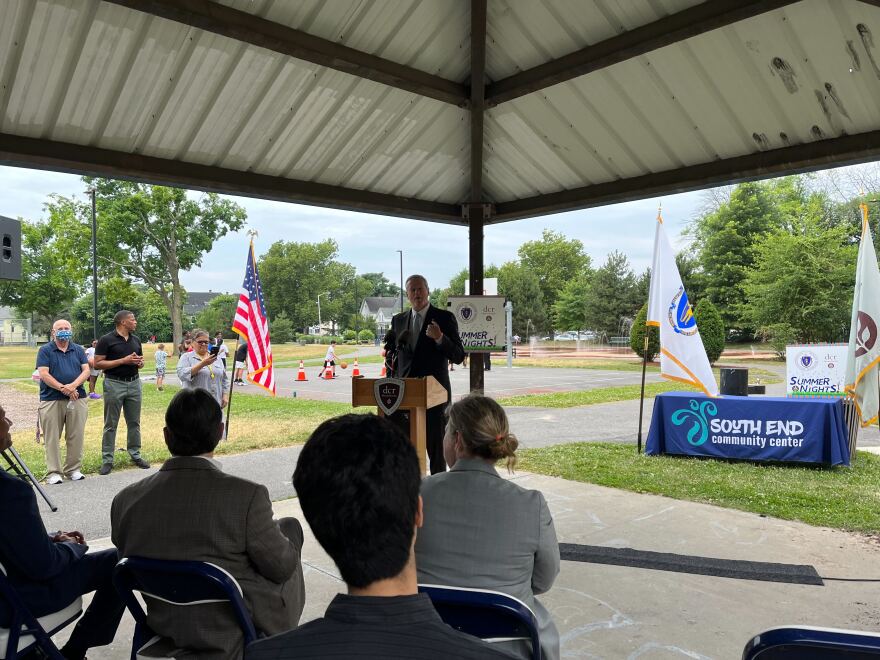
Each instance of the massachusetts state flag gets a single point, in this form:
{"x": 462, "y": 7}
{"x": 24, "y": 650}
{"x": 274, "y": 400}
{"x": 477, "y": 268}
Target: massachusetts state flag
{"x": 682, "y": 356}
{"x": 252, "y": 324}
{"x": 863, "y": 355}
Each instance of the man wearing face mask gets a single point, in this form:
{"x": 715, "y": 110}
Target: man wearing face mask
{"x": 63, "y": 368}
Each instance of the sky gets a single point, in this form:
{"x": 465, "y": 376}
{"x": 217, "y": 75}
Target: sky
{"x": 370, "y": 242}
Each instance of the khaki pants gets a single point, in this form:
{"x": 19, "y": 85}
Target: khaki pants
{"x": 54, "y": 416}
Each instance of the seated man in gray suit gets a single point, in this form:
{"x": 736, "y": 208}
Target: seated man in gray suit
{"x": 358, "y": 482}
{"x": 191, "y": 510}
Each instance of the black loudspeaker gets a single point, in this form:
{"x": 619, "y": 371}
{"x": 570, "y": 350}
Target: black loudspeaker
{"x": 10, "y": 249}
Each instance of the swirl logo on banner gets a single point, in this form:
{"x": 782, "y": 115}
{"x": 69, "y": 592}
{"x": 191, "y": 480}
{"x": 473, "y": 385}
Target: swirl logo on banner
{"x": 696, "y": 415}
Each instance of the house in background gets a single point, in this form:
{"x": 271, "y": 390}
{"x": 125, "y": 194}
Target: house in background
{"x": 380, "y": 309}
{"x": 13, "y": 328}
{"x": 196, "y": 301}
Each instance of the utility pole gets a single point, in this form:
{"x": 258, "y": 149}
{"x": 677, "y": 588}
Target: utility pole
{"x": 401, "y": 279}
{"x": 91, "y": 192}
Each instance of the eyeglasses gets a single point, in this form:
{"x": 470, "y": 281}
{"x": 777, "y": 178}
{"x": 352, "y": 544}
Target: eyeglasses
{"x": 204, "y": 342}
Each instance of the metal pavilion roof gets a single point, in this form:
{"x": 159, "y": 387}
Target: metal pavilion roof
{"x": 368, "y": 105}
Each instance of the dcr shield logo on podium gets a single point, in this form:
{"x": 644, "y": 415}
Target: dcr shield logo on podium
{"x": 389, "y": 394}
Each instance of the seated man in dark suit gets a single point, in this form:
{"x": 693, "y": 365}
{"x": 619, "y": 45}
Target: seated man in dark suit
{"x": 49, "y": 571}
{"x": 191, "y": 510}
{"x": 358, "y": 482}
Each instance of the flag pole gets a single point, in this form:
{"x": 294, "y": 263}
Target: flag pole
{"x": 231, "y": 389}
{"x": 642, "y": 396}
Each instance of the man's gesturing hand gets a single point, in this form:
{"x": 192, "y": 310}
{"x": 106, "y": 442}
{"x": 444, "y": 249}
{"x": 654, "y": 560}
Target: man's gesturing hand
{"x": 434, "y": 331}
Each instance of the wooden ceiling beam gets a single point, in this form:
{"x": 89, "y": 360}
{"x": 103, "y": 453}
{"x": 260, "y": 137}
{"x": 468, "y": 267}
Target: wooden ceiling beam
{"x": 846, "y": 150}
{"x": 40, "y": 154}
{"x": 249, "y": 28}
{"x": 702, "y": 18}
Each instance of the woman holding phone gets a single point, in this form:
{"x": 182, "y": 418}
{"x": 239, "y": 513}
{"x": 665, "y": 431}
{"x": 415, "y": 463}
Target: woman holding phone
{"x": 200, "y": 368}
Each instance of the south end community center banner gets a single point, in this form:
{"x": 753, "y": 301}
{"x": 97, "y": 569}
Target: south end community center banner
{"x": 749, "y": 428}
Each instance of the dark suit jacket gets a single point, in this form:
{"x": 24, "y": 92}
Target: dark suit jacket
{"x": 27, "y": 553}
{"x": 428, "y": 358}
{"x": 191, "y": 510}
{"x": 406, "y": 627}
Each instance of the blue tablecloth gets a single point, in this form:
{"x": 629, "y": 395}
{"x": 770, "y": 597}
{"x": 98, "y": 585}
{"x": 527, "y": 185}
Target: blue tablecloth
{"x": 749, "y": 428}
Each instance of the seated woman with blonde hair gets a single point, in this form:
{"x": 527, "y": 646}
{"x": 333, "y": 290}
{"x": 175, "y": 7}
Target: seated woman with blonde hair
{"x": 483, "y": 531}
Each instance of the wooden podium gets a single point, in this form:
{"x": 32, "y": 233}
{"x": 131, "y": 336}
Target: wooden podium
{"x": 419, "y": 394}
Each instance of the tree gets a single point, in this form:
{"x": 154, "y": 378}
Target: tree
{"x": 692, "y": 276}
{"x": 152, "y": 233}
{"x": 570, "y": 308}
{"x": 456, "y": 286}
{"x": 281, "y": 329}
{"x": 114, "y": 294}
{"x": 711, "y": 329}
{"x": 218, "y": 315}
{"x": 612, "y": 295}
{"x": 637, "y": 335}
{"x": 379, "y": 285}
{"x": 295, "y": 274}
{"x": 801, "y": 287}
{"x": 53, "y": 269}
{"x": 556, "y": 261}
{"x": 523, "y": 289}
{"x": 726, "y": 242}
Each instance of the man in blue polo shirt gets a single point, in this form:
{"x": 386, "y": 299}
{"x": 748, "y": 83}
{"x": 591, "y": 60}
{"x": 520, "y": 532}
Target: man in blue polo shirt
{"x": 63, "y": 368}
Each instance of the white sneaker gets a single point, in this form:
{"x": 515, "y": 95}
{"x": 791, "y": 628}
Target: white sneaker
{"x": 54, "y": 479}
{"x": 76, "y": 475}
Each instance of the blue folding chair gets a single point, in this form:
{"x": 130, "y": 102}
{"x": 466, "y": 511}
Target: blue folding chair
{"x": 490, "y": 615}
{"x": 809, "y": 643}
{"x": 26, "y": 632}
{"x": 178, "y": 583}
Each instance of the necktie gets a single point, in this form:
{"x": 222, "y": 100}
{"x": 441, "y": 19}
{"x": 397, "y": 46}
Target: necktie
{"x": 416, "y": 327}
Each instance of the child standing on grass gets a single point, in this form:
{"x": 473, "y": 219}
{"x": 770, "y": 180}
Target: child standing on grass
{"x": 161, "y": 361}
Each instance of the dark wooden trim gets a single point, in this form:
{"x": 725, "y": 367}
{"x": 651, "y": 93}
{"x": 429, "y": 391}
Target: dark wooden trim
{"x": 475, "y": 210}
{"x": 709, "y": 15}
{"x": 847, "y": 150}
{"x": 39, "y": 154}
{"x": 242, "y": 26}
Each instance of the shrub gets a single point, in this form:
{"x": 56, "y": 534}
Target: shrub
{"x": 711, "y": 329}
{"x": 366, "y": 335}
{"x": 349, "y": 335}
{"x": 281, "y": 329}
{"x": 637, "y": 335}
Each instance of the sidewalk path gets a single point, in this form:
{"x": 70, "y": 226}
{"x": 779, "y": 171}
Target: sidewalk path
{"x": 612, "y": 612}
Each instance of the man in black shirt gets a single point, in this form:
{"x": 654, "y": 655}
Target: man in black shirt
{"x": 358, "y": 482}
{"x": 120, "y": 355}
{"x": 240, "y": 362}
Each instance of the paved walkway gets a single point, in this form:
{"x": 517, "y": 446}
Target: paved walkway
{"x": 622, "y": 612}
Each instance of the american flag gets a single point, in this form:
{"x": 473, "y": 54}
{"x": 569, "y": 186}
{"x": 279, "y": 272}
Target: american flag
{"x": 252, "y": 325}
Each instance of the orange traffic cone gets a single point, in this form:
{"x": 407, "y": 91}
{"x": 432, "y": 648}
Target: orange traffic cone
{"x": 355, "y": 370}
{"x": 384, "y": 372}
{"x": 301, "y": 375}
{"x": 328, "y": 371}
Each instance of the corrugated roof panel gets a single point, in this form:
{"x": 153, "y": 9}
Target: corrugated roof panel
{"x": 523, "y": 35}
{"x": 160, "y": 51}
{"x": 48, "y": 41}
{"x": 429, "y": 36}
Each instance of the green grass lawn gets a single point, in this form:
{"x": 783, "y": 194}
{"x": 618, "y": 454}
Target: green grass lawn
{"x": 258, "y": 422}
{"x": 19, "y": 361}
{"x": 612, "y": 394}
{"x": 843, "y": 498}
{"x": 590, "y": 397}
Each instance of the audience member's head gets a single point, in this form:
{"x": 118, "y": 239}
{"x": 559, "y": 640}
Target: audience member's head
{"x": 123, "y": 317}
{"x": 478, "y": 428}
{"x": 193, "y": 423}
{"x": 5, "y": 435}
{"x": 358, "y": 482}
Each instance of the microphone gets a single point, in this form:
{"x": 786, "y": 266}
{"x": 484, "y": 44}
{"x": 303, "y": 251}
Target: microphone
{"x": 403, "y": 338}
{"x": 390, "y": 341}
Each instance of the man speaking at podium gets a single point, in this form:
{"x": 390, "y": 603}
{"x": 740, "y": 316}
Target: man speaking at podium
{"x": 426, "y": 340}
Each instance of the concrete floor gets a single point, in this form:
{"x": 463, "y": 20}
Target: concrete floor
{"x": 621, "y": 612}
